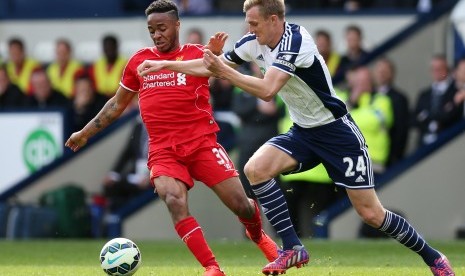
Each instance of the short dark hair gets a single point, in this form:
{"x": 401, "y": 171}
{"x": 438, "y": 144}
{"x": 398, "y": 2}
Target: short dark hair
{"x": 110, "y": 38}
{"x": 439, "y": 56}
{"x": 324, "y": 33}
{"x": 354, "y": 28}
{"x": 162, "y": 6}
{"x": 389, "y": 62}
{"x": 3, "y": 68}
{"x": 16, "y": 41}
{"x": 65, "y": 42}
{"x": 458, "y": 61}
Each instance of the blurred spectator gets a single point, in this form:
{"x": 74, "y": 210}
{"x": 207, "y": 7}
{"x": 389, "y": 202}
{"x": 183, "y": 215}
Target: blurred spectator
{"x": 43, "y": 95}
{"x": 459, "y": 97}
{"x": 373, "y": 113}
{"x": 128, "y": 178}
{"x": 384, "y": 74}
{"x": 324, "y": 44}
{"x": 259, "y": 123}
{"x": 435, "y": 109}
{"x": 194, "y": 7}
{"x": 195, "y": 36}
{"x": 64, "y": 70}
{"x": 86, "y": 102}
{"x": 106, "y": 71}
{"x": 19, "y": 66}
{"x": 130, "y": 175}
{"x": 355, "y": 52}
{"x": 222, "y": 93}
{"x": 10, "y": 95}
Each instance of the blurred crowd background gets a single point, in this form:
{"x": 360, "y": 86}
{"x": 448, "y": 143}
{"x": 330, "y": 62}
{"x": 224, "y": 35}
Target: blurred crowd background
{"x": 18, "y": 8}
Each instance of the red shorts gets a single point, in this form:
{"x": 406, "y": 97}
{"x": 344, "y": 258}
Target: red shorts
{"x": 201, "y": 159}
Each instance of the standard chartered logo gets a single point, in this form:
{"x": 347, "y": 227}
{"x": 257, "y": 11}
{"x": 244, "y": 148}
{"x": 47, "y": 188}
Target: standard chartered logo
{"x": 164, "y": 80}
{"x": 39, "y": 149}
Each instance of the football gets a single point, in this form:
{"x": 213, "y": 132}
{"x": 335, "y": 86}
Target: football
{"x": 120, "y": 256}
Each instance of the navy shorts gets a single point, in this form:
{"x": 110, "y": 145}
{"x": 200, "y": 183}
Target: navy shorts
{"x": 339, "y": 145}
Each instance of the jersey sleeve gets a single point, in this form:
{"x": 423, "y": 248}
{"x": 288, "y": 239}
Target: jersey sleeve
{"x": 242, "y": 50}
{"x": 296, "y": 50}
{"x": 130, "y": 78}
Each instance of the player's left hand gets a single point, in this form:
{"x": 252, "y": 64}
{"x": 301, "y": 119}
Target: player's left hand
{"x": 76, "y": 141}
{"x": 216, "y": 43}
{"x": 149, "y": 66}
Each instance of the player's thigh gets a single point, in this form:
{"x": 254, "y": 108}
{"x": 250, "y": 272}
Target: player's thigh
{"x": 174, "y": 193}
{"x": 169, "y": 188}
{"x": 290, "y": 152}
{"x": 268, "y": 162}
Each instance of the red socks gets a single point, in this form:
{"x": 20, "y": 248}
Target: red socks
{"x": 254, "y": 224}
{"x": 191, "y": 234}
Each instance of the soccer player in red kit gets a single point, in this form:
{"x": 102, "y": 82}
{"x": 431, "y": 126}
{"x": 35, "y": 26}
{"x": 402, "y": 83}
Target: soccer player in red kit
{"x": 182, "y": 135}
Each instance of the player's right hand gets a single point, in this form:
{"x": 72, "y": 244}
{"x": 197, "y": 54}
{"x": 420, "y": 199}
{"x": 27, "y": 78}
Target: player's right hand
{"x": 149, "y": 66}
{"x": 76, "y": 141}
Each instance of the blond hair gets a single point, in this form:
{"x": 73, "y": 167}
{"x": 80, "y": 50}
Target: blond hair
{"x": 267, "y": 7}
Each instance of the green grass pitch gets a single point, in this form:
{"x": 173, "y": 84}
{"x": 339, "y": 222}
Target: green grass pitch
{"x": 171, "y": 258}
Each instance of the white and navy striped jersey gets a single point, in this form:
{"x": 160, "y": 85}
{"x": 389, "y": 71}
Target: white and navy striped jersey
{"x": 309, "y": 94}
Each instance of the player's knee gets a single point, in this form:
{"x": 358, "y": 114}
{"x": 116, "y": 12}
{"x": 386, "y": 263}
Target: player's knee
{"x": 370, "y": 217}
{"x": 173, "y": 200}
{"x": 256, "y": 172}
{"x": 176, "y": 204}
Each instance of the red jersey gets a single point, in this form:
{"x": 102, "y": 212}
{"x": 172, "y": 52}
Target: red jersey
{"x": 174, "y": 106}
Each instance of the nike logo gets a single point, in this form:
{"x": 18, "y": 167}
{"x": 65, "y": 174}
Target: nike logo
{"x": 110, "y": 261}
{"x": 401, "y": 236}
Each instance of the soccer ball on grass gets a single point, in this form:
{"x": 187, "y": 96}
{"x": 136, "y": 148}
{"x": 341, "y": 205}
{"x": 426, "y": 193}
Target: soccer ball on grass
{"x": 120, "y": 256}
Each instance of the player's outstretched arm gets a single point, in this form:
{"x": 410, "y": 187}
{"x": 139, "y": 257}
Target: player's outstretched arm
{"x": 189, "y": 67}
{"x": 264, "y": 89}
{"x": 109, "y": 113}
